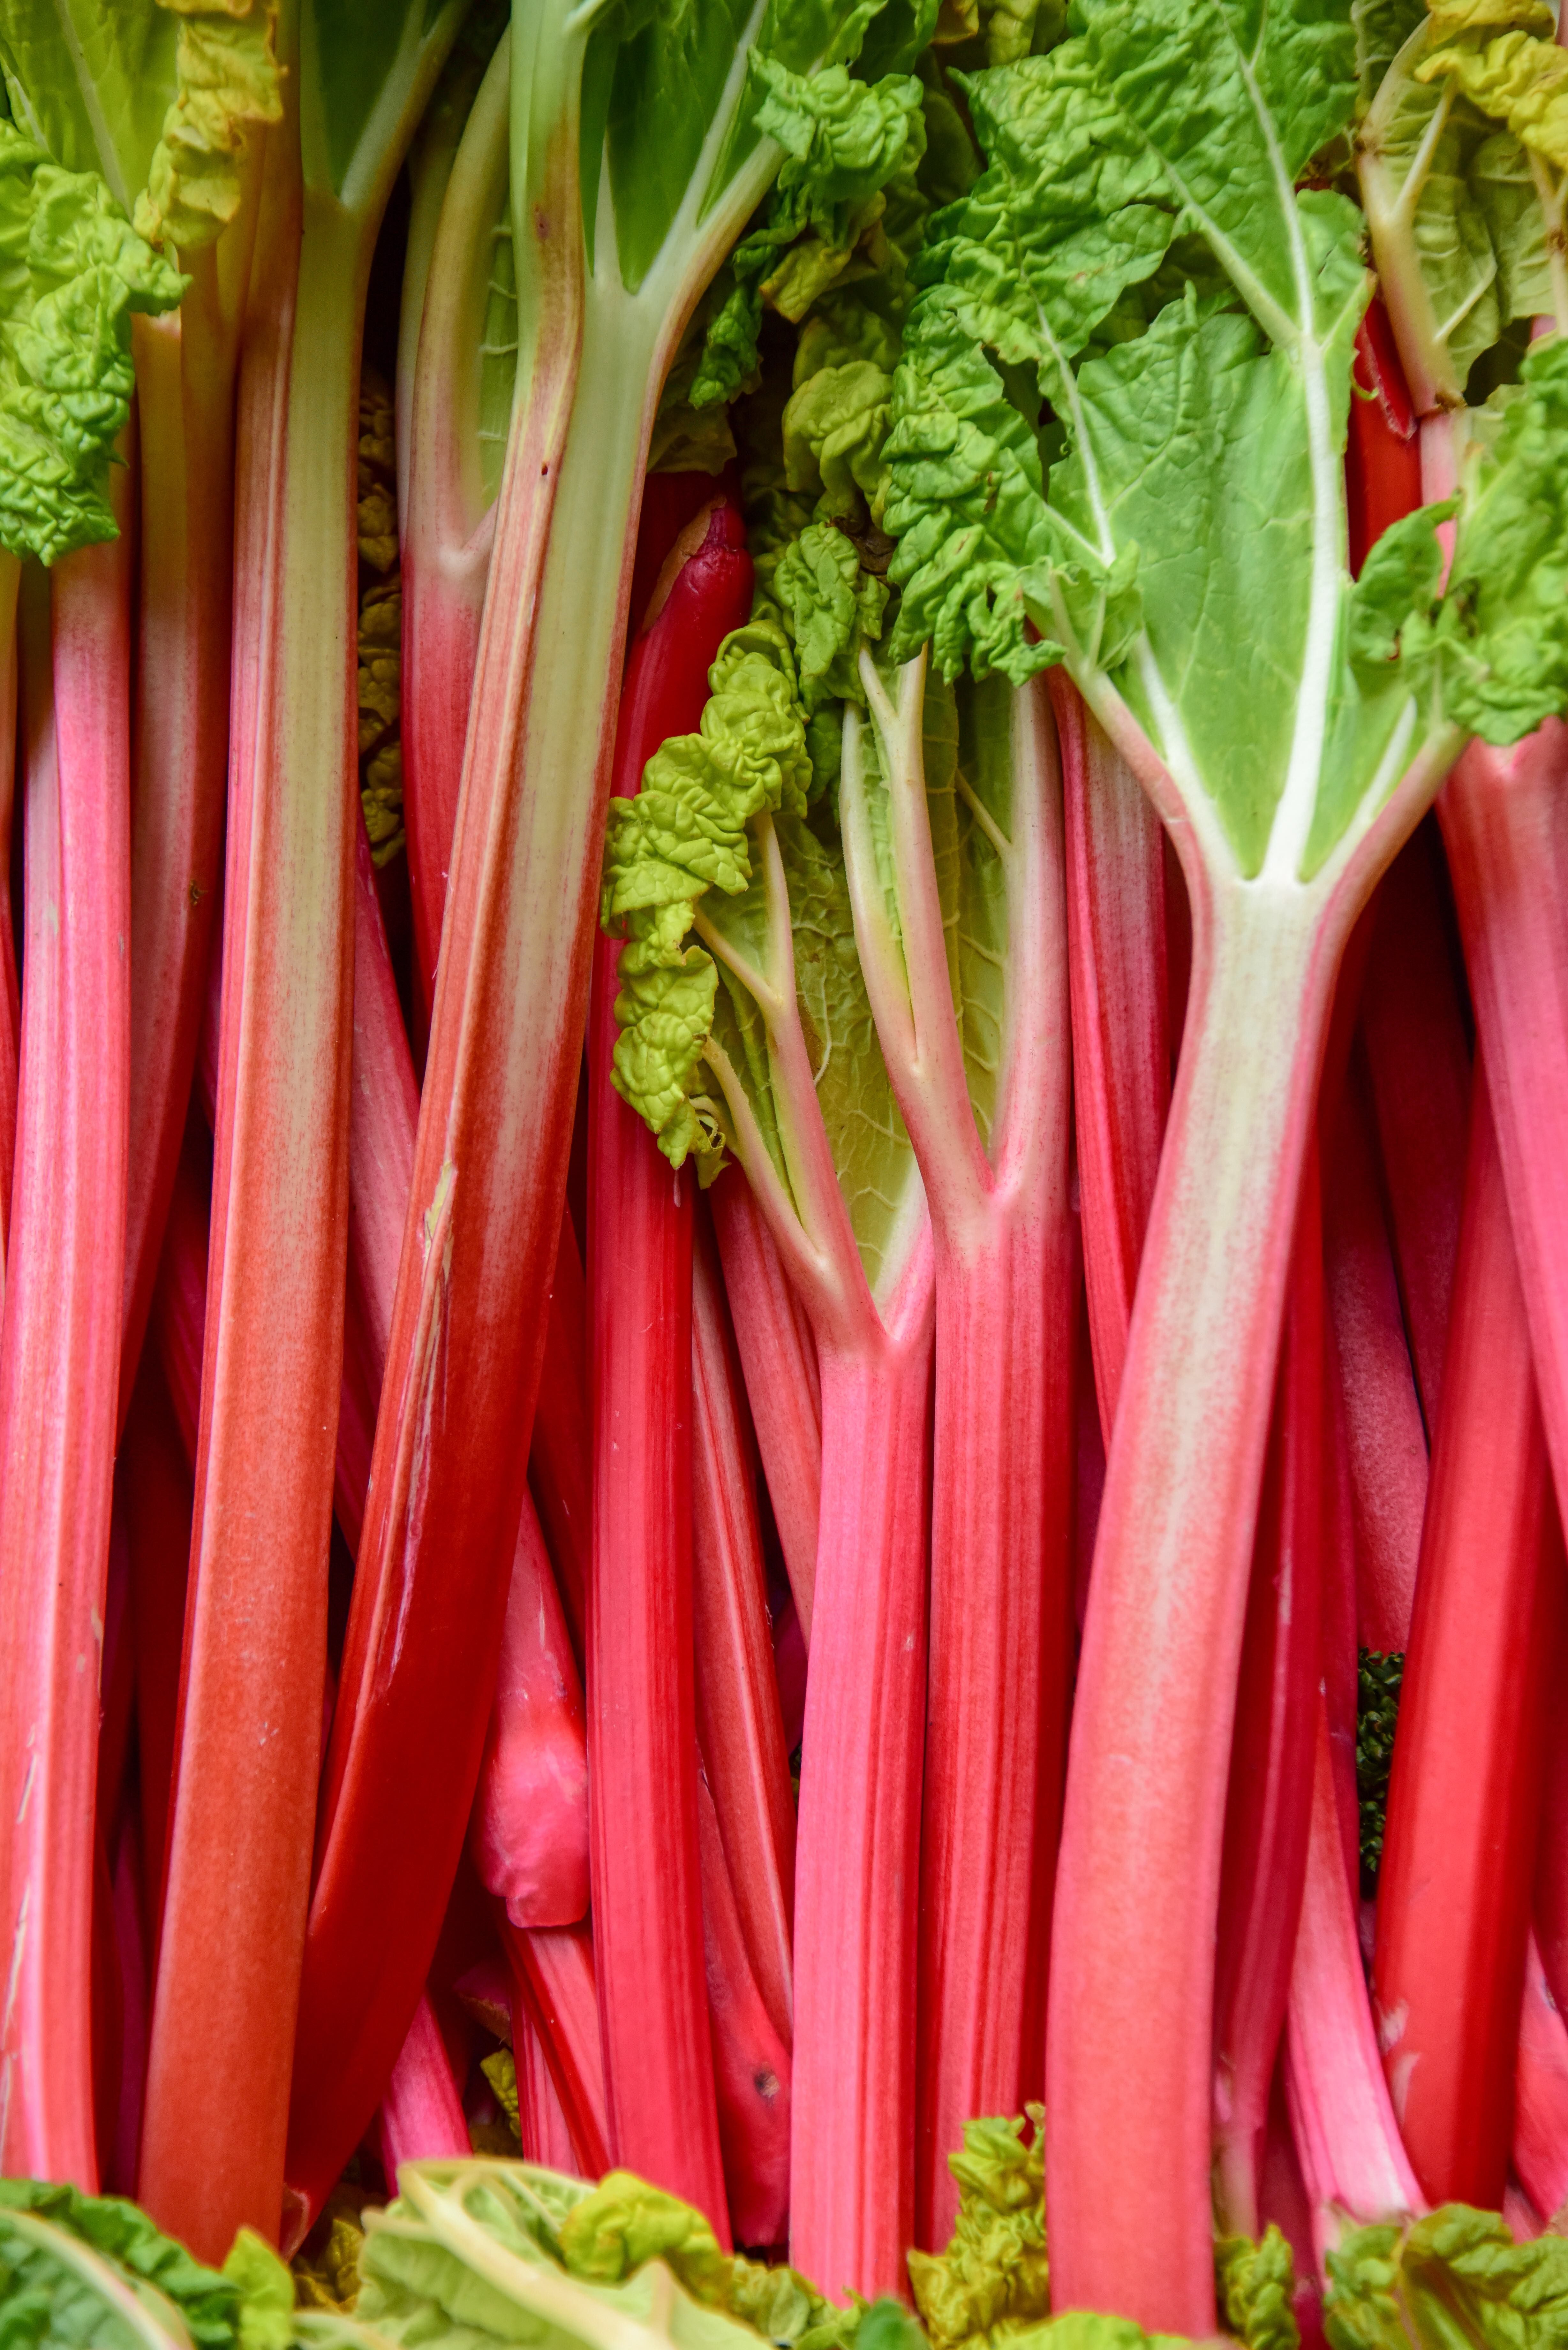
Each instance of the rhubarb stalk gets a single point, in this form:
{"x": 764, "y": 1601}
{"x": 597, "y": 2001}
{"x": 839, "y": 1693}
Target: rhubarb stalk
{"x": 1121, "y": 1028}
{"x": 1464, "y": 1801}
{"x": 256, "y": 1650}
{"x": 740, "y": 1728}
{"x": 507, "y": 1024}
{"x": 1001, "y": 1521}
{"x": 1284, "y": 808}
{"x": 59, "y": 1359}
{"x": 1269, "y": 1807}
{"x": 648, "y": 1908}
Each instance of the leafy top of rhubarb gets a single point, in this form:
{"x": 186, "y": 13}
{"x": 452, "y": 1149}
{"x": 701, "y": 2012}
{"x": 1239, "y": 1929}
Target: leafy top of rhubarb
{"x": 686, "y": 834}
{"x": 156, "y": 95}
{"x": 226, "y": 79}
{"x": 1256, "y": 2285}
{"x": 994, "y": 2271}
{"x": 1457, "y": 2275}
{"x": 1139, "y": 257}
{"x": 1460, "y": 147}
{"x": 72, "y": 272}
{"x": 93, "y": 85}
{"x": 484, "y": 2250}
{"x": 96, "y": 2265}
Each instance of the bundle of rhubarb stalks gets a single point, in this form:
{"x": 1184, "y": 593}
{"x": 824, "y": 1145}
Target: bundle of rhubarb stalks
{"x": 783, "y": 1159}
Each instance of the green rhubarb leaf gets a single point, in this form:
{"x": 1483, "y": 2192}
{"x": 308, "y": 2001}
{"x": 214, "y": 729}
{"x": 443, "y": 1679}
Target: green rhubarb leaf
{"x": 1382, "y": 29}
{"x": 1179, "y": 484}
{"x": 92, "y": 84}
{"x": 1256, "y": 2290}
{"x": 72, "y": 272}
{"x": 491, "y": 2252}
{"x": 1463, "y": 148}
{"x": 1452, "y": 2281}
{"x": 75, "y": 2270}
{"x": 870, "y": 1147}
{"x": 1465, "y": 2282}
{"x": 624, "y": 2222}
{"x": 500, "y": 2069}
{"x": 227, "y": 81}
{"x": 267, "y": 2294}
{"x": 1499, "y": 638}
{"x": 686, "y": 834}
{"x": 831, "y": 607}
{"x": 658, "y": 76}
{"x": 843, "y": 141}
{"x": 1502, "y": 55}
{"x": 993, "y": 2280}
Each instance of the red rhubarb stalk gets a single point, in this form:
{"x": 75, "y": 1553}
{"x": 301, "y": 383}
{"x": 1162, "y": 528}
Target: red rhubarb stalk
{"x": 450, "y": 521}
{"x": 1268, "y": 1813}
{"x": 1346, "y": 2136}
{"x": 239, "y": 1859}
{"x": 856, "y": 1855}
{"x": 778, "y": 1356}
{"x": 1145, "y": 1808}
{"x": 750, "y": 2057}
{"x": 1121, "y": 1030}
{"x": 1417, "y": 1053}
{"x": 185, "y": 391}
{"x": 529, "y": 1834}
{"x": 502, "y": 1073}
{"x": 554, "y": 1972}
{"x": 1501, "y": 814}
{"x": 1464, "y": 1802}
{"x": 60, "y": 1362}
{"x": 642, "y": 1747}
{"x": 739, "y": 1727}
{"x": 422, "y": 2113}
{"x": 1383, "y": 458}
{"x": 1540, "y": 2151}
{"x": 541, "y": 2118}
{"x": 1002, "y": 1494}
{"x": 1387, "y": 1439}
{"x": 155, "y": 1477}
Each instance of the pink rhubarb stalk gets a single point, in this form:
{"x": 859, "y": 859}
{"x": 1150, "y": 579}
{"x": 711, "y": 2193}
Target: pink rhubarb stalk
{"x": 541, "y": 2118}
{"x": 530, "y": 1833}
{"x": 1353, "y": 2163}
{"x": 1539, "y": 2150}
{"x": 1001, "y": 1599}
{"x": 858, "y": 1846}
{"x": 1417, "y": 1053}
{"x": 642, "y": 1748}
{"x": 499, "y": 1080}
{"x": 1268, "y": 1813}
{"x": 449, "y": 522}
{"x": 778, "y": 1356}
{"x": 1121, "y": 1028}
{"x": 185, "y": 367}
{"x": 239, "y": 1857}
{"x": 1464, "y": 1801}
{"x": 1387, "y": 1439}
{"x": 422, "y": 2113}
{"x": 750, "y": 2057}
{"x": 59, "y": 1361}
{"x": 1502, "y": 818}
{"x": 554, "y": 1972}
{"x": 739, "y": 1727}
{"x": 1128, "y": 2046}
